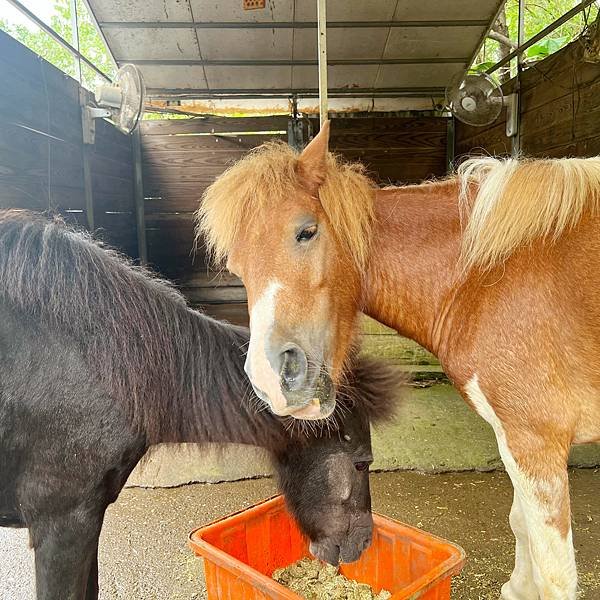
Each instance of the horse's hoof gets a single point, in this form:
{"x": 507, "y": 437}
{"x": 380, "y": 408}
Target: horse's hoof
{"x": 508, "y": 592}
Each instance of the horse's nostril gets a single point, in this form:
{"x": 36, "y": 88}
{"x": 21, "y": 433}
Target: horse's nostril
{"x": 293, "y": 368}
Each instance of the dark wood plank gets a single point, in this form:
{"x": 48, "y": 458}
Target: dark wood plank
{"x": 200, "y": 142}
{"x": 48, "y": 109}
{"x": 214, "y": 124}
{"x": 395, "y": 125}
{"x": 173, "y": 203}
{"x": 237, "y": 314}
{"x": 24, "y": 153}
{"x": 490, "y": 141}
{"x": 158, "y": 162}
{"x": 420, "y": 142}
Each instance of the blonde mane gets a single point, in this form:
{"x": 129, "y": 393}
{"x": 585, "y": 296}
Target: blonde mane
{"x": 252, "y": 188}
{"x": 509, "y": 203}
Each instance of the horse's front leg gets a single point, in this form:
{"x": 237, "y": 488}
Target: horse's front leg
{"x": 536, "y": 461}
{"x": 65, "y": 552}
{"x": 541, "y": 484}
{"x": 92, "y": 589}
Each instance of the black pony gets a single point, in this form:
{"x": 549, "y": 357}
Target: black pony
{"x": 99, "y": 360}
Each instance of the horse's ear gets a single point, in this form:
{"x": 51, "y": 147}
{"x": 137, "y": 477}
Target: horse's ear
{"x": 312, "y": 163}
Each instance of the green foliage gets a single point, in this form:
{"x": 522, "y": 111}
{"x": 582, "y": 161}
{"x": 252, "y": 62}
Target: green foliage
{"x": 546, "y": 47}
{"x": 90, "y": 43}
{"x": 538, "y": 14}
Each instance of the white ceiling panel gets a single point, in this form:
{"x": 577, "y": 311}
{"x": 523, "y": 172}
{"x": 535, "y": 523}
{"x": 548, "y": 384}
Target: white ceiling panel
{"x": 342, "y": 43}
{"x": 446, "y": 10}
{"x": 174, "y": 76}
{"x": 354, "y": 76}
{"x": 252, "y": 38}
{"x": 232, "y": 11}
{"x": 432, "y": 42}
{"x": 141, "y": 10}
{"x": 418, "y": 76}
{"x": 347, "y": 10}
{"x": 251, "y": 78}
{"x": 131, "y": 44}
{"x": 246, "y": 44}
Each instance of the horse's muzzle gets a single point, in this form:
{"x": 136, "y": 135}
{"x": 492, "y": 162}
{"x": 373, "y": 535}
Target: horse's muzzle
{"x": 348, "y": 548}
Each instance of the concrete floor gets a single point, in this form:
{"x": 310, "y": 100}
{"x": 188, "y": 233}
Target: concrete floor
{"x": 144, "y": 555}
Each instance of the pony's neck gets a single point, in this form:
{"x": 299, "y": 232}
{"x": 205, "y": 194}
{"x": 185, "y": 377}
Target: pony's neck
{"x": 205, "y": 394}
{"x": 410, "y": 279}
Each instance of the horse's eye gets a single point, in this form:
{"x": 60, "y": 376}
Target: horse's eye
{"x": 361, "y": 466}
{"x": 306, "y": 234}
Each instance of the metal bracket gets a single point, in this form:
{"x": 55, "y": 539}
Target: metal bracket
{"x": 89, "y": 114}
{"x": 295, "y": 133}
{"x": 88, "y": 126}
{"x": 512, "y": 114}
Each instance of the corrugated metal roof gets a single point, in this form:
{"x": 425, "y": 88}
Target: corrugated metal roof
{"x": 213, "y": 47}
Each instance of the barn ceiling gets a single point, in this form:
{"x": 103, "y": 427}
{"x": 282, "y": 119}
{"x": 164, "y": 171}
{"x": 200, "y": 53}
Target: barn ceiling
{"x": 212, "y": 48}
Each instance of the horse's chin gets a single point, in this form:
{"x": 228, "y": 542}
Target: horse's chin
{"x": 314, "y": 411}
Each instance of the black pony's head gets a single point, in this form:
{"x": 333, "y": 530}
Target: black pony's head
{"x": 325, "y": 477}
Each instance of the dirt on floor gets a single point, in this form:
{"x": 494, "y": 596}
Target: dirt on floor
{"x": 144, "y": 554}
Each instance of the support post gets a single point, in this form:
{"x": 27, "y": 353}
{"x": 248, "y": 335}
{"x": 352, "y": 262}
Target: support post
{"x": 322, "y": 47}
{"x": 138, "y": 191}
{"x": 515, "y": 106}
{"x": 450, "y": 144}
{"x": 87, "y": 150}
{"x": 75, "y": 37}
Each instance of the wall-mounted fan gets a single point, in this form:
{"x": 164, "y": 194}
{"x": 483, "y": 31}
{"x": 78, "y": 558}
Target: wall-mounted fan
{"x": 476, "y": 99}
{"x": 121, "y": 101}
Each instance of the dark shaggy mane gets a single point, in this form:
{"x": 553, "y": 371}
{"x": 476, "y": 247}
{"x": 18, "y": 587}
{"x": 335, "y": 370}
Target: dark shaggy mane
{"x": 165, "y": 362}
{"x": 178, "y": 373}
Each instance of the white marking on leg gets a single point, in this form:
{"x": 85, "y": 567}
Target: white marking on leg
{"x": 262, "y": 375}
{"x": 521, "y": 585}
{"x": 552, "y": 556}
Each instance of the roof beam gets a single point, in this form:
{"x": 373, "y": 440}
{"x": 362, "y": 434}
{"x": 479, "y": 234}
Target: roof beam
{"x": 291, "y": 62}
{"x": 286, "y": 24}
{"x": 255, "y": 94}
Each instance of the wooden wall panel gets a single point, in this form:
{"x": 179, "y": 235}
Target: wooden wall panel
{"x": 560, "y": 111}
{"x": 180, "y": 159}
{"x": 395, "y": 150}
{"x": 42, "y": 151}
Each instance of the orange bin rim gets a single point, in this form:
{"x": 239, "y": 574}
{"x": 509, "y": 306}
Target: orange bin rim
{"x": 451, "y": 566}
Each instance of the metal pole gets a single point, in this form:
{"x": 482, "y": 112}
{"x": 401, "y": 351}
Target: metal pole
{"x": 138, "y": 191}
{"x": 322, "y": 46}
{"x": 450, "y": 144}
{"x": 75, "y": 37}
{"x": 516, "y": 139}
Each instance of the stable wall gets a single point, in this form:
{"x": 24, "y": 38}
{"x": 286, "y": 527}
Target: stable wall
{"x": 560, "y": 111}
{"x": 45, "y": 166}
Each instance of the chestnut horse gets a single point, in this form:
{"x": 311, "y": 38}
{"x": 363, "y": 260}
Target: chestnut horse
{"x": 494, "y": 270}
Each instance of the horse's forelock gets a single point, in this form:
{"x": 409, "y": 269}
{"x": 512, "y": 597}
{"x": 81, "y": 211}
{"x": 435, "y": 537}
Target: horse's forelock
{"x": 250, "y": 188}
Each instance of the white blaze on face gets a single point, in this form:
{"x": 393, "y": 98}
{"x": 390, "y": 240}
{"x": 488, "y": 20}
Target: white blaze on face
{"x": 262, "y": 375}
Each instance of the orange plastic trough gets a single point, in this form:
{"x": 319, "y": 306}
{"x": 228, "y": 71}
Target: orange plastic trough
{"x": 241, "y": 552}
